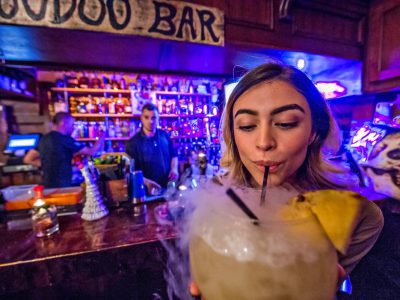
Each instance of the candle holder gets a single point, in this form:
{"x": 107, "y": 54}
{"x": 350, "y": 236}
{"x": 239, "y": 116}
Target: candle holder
{"x": 44, "y": 216}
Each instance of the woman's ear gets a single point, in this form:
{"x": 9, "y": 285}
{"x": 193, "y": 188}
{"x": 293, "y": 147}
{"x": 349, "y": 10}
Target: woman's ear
{"x": 312, "y": 138}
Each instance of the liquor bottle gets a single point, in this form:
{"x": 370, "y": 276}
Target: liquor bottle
{"x": 157, "y": 84}
{"x": 125, "y": 128}
{"x": 60, "y": 83}
{"x": 160, "y": 105}
{"x": 111, "y": 105}
{"x": 149, "y": 83}
{"x": 111, "y": 130}
{"x": 206, "y": 131}
{"x": 114, "y": 82}
{"x": 91, "y": 130}
{"x": 83, "y": 81}
{"x": 72, "y": 105}
{"x": 102, "y": 127}
{"x": 214, "y": 94}
{"x": 90, "y": 106}
{"x": 106, "y": 82}
{"x": 122, "y": 82}
{"x": 174, "y": 87}
{"x": 205, "y": 106}
{"x": 95, "y": 82}
{"x": 214, "y": 110}
{"x": 100, "y": 105}
{"x": 71, "y": 80}
{"x": 85, "y": 129}
{"x": 128, "y": 106}
{"x": 182, "y": 85}
{"x": 132, "y": 83}
{"x": 120, "y": 106}
{"x": 198, "y": 106}
{"x": 81, "y": 108}
{"x": 173, "y": 106}
{"x": 191, "y": 89}
{"x": 60, "y": 105}
{"x": 118, "y": 131}
{"x": 165, "y": 85}
{"x": 213, "y": 130}
{"x": 96, "y": 101}
{"x": 183, "y": 106}
{"x": 168, "y": 105}
{"x": 190, "y": 106}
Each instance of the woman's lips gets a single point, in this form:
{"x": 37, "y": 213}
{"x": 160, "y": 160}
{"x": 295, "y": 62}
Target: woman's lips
{"x": 273, "y": 166}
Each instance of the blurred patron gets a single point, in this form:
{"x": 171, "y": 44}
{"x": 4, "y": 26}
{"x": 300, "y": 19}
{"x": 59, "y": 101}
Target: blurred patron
{"x": 56, "y": 150}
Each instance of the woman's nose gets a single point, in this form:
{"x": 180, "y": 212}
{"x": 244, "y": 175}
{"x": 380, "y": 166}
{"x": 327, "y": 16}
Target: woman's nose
{"x": 265, "y": 140}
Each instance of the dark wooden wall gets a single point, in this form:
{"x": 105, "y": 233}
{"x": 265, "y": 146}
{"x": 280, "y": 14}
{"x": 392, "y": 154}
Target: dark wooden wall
{"x": 382, "y": 66}
{"x": 335, "y": 28}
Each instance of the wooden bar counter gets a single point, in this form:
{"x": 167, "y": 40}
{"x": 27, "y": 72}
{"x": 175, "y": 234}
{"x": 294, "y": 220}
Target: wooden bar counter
{"x": 118, "y": 256}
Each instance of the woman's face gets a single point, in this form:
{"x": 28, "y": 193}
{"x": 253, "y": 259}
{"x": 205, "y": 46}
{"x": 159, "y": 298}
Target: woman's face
{"x": 272, "y": 127}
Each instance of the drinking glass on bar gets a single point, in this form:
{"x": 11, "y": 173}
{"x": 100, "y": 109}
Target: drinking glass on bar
{"x": 44, "y": 216}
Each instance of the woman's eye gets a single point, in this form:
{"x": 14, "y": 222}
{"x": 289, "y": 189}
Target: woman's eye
{"x": 247, "y": 127}
{"x": 287, "y": 125}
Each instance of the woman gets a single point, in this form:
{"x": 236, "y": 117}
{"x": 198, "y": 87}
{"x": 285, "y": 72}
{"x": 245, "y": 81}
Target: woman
{"x": 276, "y": 117}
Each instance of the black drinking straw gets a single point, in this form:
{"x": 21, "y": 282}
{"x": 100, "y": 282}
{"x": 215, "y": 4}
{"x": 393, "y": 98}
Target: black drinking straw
{"x": 264, "y": 186}
{"x": 239, "y": 202}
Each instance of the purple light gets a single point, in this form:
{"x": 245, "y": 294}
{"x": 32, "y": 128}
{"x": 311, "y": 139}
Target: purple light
{"x": 331, "y": 89}
{"x": 364, "y": 141}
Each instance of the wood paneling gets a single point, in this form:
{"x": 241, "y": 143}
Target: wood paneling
{"x": 382, "y": 63}
{"x": 258, "y": 15}
{"x": 313, "y": 23}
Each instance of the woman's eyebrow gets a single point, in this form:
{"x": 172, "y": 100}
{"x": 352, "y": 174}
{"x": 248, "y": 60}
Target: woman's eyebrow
{"x": 285, "y": 108}
{"x": 246, "y": 111}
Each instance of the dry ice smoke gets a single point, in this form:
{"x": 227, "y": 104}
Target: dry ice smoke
{"x": 198, "y": 204}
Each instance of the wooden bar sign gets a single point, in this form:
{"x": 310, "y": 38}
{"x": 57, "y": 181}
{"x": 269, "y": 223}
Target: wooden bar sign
{"x": 174, "y": 20}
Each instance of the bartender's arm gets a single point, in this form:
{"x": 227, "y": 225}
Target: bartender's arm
{"x": 92, "y": 150}
{"x": 32, "y": 158}
{"x": 174, "y": 174}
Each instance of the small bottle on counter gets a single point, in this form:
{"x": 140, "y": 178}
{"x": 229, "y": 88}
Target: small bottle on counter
{"x": 136, "y": 191}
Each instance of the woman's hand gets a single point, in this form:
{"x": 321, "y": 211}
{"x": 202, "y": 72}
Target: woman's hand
{"x": 341, "y": 275}
{"x": 151, "y": 185}
{"x": 173, "y": 175}
{"x": 194, "y": 290}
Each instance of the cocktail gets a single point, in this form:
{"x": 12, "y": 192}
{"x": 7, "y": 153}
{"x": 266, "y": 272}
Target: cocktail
{"x": 233, "y": 257}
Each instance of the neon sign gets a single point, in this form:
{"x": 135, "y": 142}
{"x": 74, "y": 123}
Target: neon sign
{"x": 364, "y": 141}
{"x": 331, "y": 89}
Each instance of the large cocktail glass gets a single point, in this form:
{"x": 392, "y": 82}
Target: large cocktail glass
{"x": 232, "y": 258}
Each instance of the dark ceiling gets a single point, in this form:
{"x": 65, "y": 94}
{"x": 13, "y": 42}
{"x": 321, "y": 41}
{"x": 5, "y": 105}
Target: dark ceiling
{"x": 50, "y": 47}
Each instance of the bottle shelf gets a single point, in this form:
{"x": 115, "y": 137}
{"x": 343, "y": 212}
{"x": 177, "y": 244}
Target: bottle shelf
{"x": 119, "y": 91}
{"x": 122, "y": 138}
{"x": 91, "y": 91}
{"x": 138, "y": 116}
{"x": 125, "y": 138}
{"x": 105, "y": 115}
{"x": 182, "y": 113}
{"x": 187, "y": 116}
{"x": 180, "y": 94}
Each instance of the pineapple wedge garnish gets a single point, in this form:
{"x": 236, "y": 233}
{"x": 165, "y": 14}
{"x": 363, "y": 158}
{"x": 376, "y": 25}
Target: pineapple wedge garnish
{"x": 337, "y": 212}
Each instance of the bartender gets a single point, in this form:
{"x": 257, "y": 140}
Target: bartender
{"x": 153, "y": 151}
{"x": 55, "y": 151}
